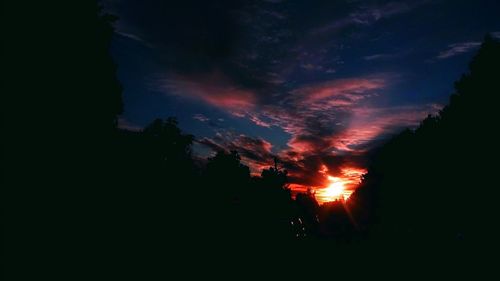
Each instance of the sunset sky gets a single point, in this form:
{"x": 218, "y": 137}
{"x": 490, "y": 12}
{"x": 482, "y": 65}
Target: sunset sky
{"x": 316, "y": 83}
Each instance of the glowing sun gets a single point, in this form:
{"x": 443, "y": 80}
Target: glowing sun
{"x": 334, "y": 191}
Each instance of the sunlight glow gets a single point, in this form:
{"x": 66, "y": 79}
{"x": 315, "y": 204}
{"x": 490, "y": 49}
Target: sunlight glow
{"x": 334, "y": 191}
{"x": 339, "y": 187}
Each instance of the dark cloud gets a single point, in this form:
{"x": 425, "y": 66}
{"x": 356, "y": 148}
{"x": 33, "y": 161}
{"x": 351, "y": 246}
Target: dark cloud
{"x": 255, "y": 152}
{"x": 255, "y": 46}
{"x": 210, "y": 143}
{"x": 192, "y": 36}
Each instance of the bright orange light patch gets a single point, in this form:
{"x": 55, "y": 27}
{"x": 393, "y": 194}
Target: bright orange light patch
{"x": 340, "y": 188}
{"x": 334, "y": 191}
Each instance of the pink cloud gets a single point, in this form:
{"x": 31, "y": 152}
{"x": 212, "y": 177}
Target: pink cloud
{"x": 344, "y": 90}
{"x": 330, "y": 124}
{"x": 257, "y": 121}
{"x": 369, "y": 123}
{"x": 340, "y": 151}
{"x": 309, "y": 100}
{"x": 213, "y": 89}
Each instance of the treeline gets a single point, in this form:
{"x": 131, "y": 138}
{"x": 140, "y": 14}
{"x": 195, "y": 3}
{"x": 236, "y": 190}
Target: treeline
{"x": 123, "y": 190}
{"x": 438, "y": 182}
{"x": 216, "y": 199}
{"x": 429, "y": 184}
{"x": 82, "y": 197}
{"x": 110, "y": 189}
{"x": 435, "y": 183}
{"x": 171, "y": 194}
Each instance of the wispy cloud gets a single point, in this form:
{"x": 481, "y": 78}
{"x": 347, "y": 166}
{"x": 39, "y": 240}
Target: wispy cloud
{"x": 457, "y": 49}
{"x": 130, "y": 35}
{"x": 200, "y": 117}
{"x": 339, "y": 90}
{"x": 370, "y": 14}
{"x": 255, "y": 152}
{"x": 370, "y": 124}
{"x": 134, "y": 37}
{"x": 213, "y": 89}
{"x": 386, "y": 56}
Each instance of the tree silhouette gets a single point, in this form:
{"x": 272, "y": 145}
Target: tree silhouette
{"x": 224, "y": 193}
{"x": 274, "y": 200}
{"x": 169, "y": 146}
{"x": 308, "y": 212}
{"x": 109, "y": 94}
{"x": 226, "y": 169}
{"x": 275, "y": 178}
{"x": 434, "y": 183}
{"x": 129, "y": 191}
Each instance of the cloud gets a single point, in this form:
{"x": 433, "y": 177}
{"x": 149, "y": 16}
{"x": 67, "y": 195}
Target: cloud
{"x": 340, "y": 90}
{"x": 200, "y": 117}
{"x": 194, "y": 36}
{"x": 377, "y": 56}
{"x": 256, "y": 149}
{"x": 370, "y": 125}
{"x": 339, "y": 139}
{"x": 134, "y": 37}
{"x": 369, "y": 14}
{"x": 251, "y": 61}
{"x": 313, "y": 115}
{"x": 210, "y": 143}
{"x": 331, "y": 123}
{"x": 314, "y": 112}
{"x": 214, "y": 123}
{"x": 313, "y": 171}
{"x": 457, "y": 49}
{"x": 214, "y": 89}
{"x": 342, "y": 152}
{"x": 130, "y": 35}
{"x": 384, "y": 56}
{"x": 258, "y": 121}
{"x": 310, "y": 67}
{"x": 255, "y": 152}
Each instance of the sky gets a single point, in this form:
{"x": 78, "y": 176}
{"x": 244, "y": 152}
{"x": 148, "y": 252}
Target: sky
{"x": 318, "y": 84}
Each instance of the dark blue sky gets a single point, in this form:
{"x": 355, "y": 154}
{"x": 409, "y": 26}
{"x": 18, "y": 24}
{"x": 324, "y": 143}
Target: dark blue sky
{"x": 316, "y": 83}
